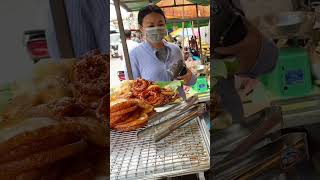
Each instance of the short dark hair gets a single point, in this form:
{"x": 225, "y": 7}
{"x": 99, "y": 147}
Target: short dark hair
{"x": 151, "y": 8}
{"x": 127, "y": 33}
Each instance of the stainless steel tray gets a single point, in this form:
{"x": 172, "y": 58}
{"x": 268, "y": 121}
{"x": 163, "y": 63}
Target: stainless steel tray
{"x": 274, "y": 155}
{"x": 185, "y": 151}
{"x": 256, "y": 127}
{"x": 300, "y": 111}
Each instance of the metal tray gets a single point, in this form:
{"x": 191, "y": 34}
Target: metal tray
{"x": 225, "y": 141}
{"x": 274, "y": 155}
{"x": 185, "y": 151}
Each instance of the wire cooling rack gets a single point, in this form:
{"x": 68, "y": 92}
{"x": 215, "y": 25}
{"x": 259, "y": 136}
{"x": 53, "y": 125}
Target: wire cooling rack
{"x": 183, "y": 152}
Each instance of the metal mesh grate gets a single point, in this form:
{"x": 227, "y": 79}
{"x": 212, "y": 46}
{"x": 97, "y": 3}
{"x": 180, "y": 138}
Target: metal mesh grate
{"x": 183, "y": 152}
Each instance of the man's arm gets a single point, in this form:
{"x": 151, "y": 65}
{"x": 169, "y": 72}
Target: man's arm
{"x": 267, "y": 53}
{"x": 257, "y": 55}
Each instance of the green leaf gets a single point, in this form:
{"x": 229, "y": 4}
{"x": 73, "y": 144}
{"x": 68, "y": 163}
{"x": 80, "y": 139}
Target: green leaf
{"x": 221, "y": 69}
{"x": 173, "y": 85}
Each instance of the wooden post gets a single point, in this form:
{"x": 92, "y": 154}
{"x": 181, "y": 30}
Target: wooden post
{"x": 199, "y": 30}
{"x": 123, "y": 39}
{"x": 182, "y": 23}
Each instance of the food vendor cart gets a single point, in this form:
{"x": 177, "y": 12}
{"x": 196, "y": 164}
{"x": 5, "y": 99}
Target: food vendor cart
{"x": 285, "y": 149}
{"x": 182, "y": 151}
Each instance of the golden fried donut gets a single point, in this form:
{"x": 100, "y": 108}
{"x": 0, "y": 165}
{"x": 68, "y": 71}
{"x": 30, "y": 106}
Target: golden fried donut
{"x": 38, "y": 146}
{"x": 154, "y": 87}
{"x": 91, "y": 74}
{"x": 150, "y": 97}
{"x": 146, "y": 107}
{"x": 42, "y": 158}
{"x": 140, "y": 85}
{"x": 167, "y": 92}
{"x": 124, "y": 111}
{"x": 132, "y": 125}
{"x": 133, "y": 116}
{"x": 116, "y": 119}
{"x": 115, "y": 107}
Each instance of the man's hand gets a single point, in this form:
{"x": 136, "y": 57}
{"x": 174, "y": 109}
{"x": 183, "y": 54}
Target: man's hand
{"x": 246, "y": 51}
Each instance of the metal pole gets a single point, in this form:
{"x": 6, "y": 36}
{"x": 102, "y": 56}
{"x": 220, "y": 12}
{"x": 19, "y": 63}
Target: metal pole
{"x": 61, "y": 26}
{"x": 123, "y": 39}
{"x": 183, "y": 26}
{"x": 199, "y": 29}
{"x": 177, "y": 5}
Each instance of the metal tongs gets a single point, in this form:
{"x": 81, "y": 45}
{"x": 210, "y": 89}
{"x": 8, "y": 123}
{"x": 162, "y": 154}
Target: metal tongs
{"x": 174, "y": 110}
{"x": 176, "y": 117}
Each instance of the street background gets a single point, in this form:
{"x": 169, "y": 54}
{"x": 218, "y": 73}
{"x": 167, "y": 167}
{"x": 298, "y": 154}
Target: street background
{"x": 115, "y": 66}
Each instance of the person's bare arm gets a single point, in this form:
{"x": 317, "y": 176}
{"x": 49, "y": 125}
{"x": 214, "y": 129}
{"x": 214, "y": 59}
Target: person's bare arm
{"x": 257, "y": 54}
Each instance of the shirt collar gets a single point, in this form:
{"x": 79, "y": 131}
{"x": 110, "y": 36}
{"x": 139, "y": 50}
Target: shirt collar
{"x": 149, "y": 47}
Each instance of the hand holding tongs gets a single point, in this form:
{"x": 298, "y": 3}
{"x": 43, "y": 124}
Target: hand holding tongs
{"x": 181, "y": 114}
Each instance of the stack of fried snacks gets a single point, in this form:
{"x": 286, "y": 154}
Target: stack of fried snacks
{"x": 43, "y": 148}
{"x": 129, "y": 114}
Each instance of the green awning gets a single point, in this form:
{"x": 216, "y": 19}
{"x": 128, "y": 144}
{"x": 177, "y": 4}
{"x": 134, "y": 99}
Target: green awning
{"x": 201, "y": 2}
{"x": 135, "y": 5}
{"x": 202, "y": 23}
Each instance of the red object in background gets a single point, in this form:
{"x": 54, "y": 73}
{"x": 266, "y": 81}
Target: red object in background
{"x": 36, "y": 44}
{"x": 121, "y": 75}
{"x": 38, "y": 49}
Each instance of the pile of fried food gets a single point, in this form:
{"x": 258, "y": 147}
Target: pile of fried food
{"x": 52, "y": 127}
{"x": 145, "y": 90}
{"x": 129, "y": 114}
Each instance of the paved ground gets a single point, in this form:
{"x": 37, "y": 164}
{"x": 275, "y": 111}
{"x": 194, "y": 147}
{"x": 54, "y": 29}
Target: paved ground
{"x": 115, "y": 66}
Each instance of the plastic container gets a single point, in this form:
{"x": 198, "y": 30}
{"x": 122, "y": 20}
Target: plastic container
{"x": 289, "y": 22}
{"x": 201, "y": 85}
{"x": 292, "y": 75}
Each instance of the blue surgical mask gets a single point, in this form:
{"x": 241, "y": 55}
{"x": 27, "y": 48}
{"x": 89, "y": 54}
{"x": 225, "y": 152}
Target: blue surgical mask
{"x": 155, "y": 34}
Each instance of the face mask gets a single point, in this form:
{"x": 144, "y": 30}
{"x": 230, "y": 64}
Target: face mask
{"x": 155, "y": 34}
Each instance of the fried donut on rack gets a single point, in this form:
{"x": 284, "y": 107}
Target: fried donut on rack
{"x": 34, "y": 146}
{"x": 129, "y": 114}
{"x": 151, "y": 93}
{"x": 140, "y": 85}
{"x": 90, "y": 79}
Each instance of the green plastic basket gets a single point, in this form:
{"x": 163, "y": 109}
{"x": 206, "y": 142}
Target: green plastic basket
{"x": 292, "y": 75}
{"x": 201, "y": 85}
